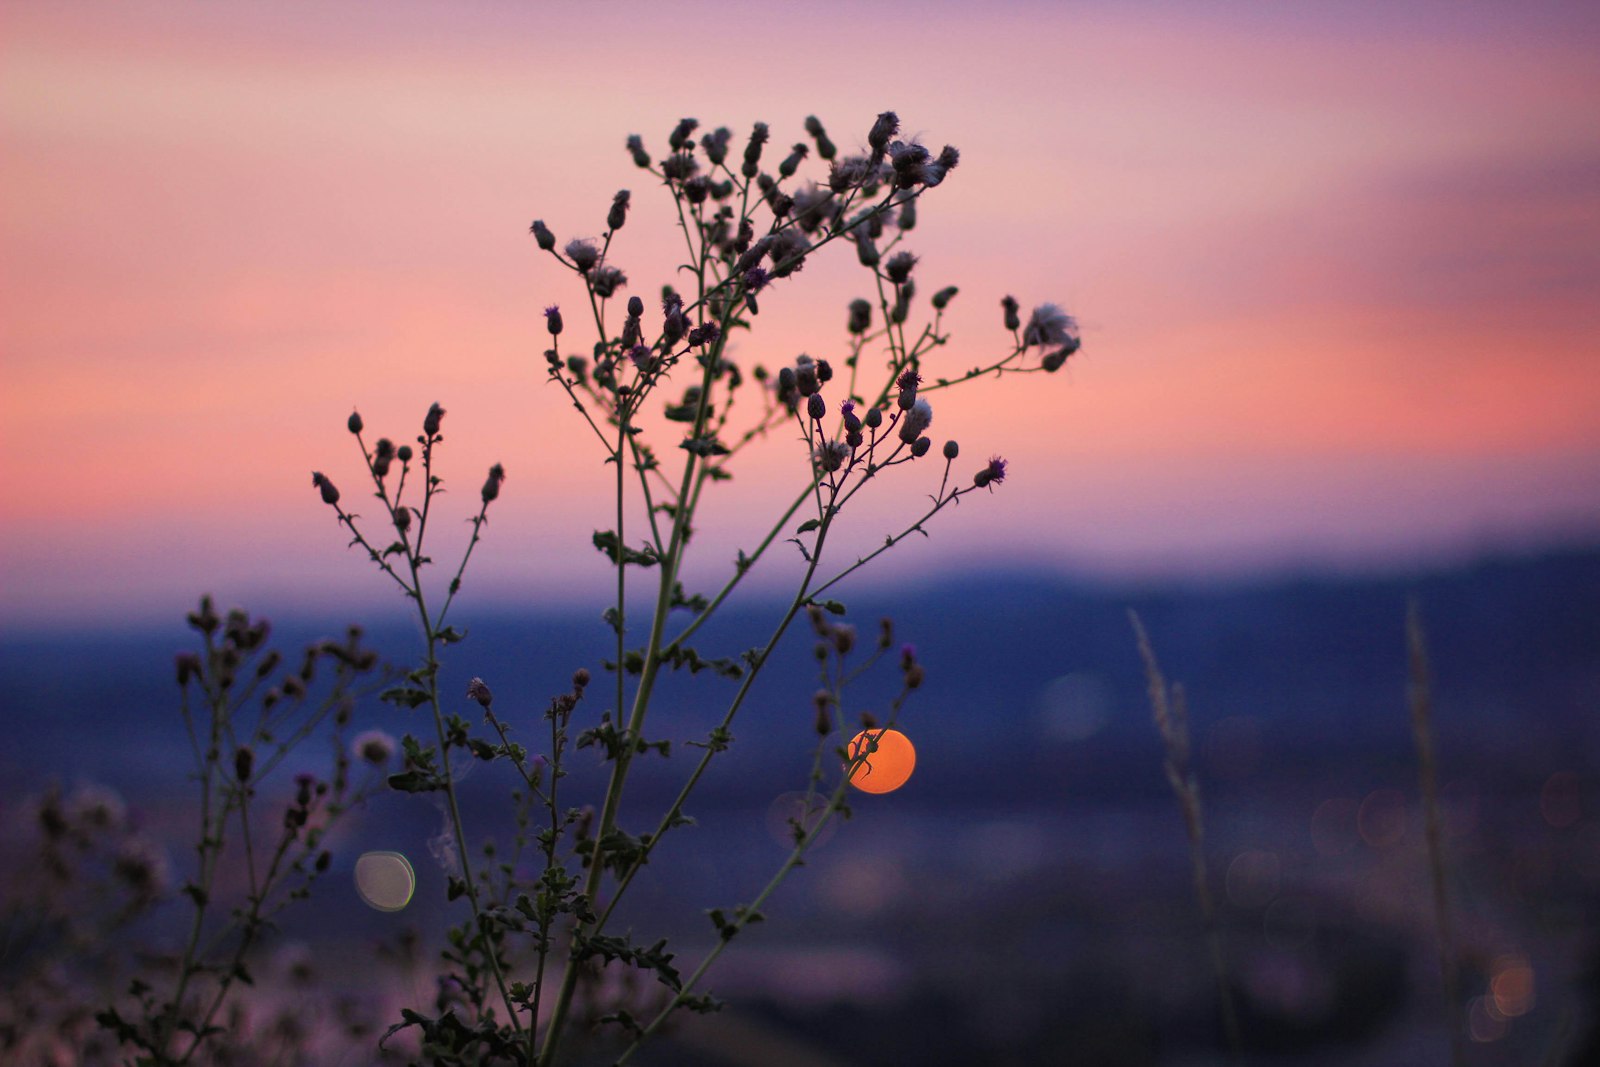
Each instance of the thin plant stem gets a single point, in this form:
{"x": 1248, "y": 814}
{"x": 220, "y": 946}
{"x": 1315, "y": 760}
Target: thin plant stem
{"x": 1419, "y": 693}
{"x": 1170, "y": 710}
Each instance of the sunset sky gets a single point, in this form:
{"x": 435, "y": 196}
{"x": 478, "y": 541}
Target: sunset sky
{"x": 1337, "y": 270}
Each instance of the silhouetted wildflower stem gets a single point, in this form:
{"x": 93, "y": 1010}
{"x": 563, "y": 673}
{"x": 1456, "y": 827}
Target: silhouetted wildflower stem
{"x": 742, "y": 567}
{"x": 431, "y": 666}
{"x": 212, "y": 962}
{"x": 806, "y": 837}
{"x": 1419, "y": 695}
{"x": 1169, "y": 707}
{"x": 744, "y": 230}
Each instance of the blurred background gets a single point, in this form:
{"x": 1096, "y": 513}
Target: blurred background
{"x": 1335, "y": 269}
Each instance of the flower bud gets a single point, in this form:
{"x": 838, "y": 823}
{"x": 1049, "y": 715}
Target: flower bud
{"x": 491, "y": 488}
{"x": 908, "y": 382}
{"x": 188, "y": 665}
{"x": 852, "y": 421}
{"x": 477, "y": 690}
{"x": 860, "y": 317}
{"x": 899, "y": 266}
{"x": 552, "y": 320}
{"x": 907, "y": 219}
{"x": 874, "y": 418}
{"x": 1013, "y": 316}
{"x": 675, "y": 325}
{"x": 682, "y": 134}
{"x": 402, "y": 519}
{"x": 705, "y": 334}
{"x": 430, "y": 424}
{"x": 679, "y": 167}
{"x": 635, "y": 306}
{"x": 791, "y": 162}
{"x": 951, "y": 450}
{"x": 373, "y": 746}
{"x": 580, "y": 678}
{"x": 805, "y": 377}
{"x": 641, "y": 159}
{"x": 752, "y": 150}
{"x": 825, "y": 147}
{"x": 942, "y": 298}
{"x": 716, "y": 145}
{"x": 866, "y": 251}
{"x": 542, "y": 235}
{"x": 244, "y": 762}
{"x": 404, "y": 454}
{"x": 886, "y": 126}
{"x": 354, "y": 423}
{"x": 816, "y": 407}
{"x": 619, "y": 210}
{"x": 844, "y": 639}
{"x": 330, "y": 495}
{"x": 920, "y": 446}
{"x": 818, "y": 619}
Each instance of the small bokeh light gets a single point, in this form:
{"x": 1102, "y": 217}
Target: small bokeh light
{"x": 884, "y": 768}
{"x": 1333, "y": 826}
{"x": 385, "y": 880}
{"x": 1252, "y": 879}
{"x": 1382, "y": 818}
{"x": 1510, "y": 988}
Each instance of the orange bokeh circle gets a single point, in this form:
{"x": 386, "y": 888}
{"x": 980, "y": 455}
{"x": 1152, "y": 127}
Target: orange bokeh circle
{"x": 885, "y": 768}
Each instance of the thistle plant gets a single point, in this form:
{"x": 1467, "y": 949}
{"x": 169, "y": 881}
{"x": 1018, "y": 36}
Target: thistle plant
{"x": 537, "y": 964}
{"x": 246, "y": 710}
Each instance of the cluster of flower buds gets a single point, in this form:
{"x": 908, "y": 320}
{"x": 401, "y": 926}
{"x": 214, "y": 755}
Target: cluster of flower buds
{"x": 910, "y": 668}
{"x": 1049, "y": 329}
{"x": 803, "y": 380}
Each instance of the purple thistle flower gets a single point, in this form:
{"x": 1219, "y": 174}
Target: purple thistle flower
{"x": 908, "y": 382}
{"x": 705, "y": 334}
{"x": 992, "y": 475}
{"x": 552, "y": 319}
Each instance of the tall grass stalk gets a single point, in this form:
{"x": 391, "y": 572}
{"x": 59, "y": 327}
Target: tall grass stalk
{"x": 1170, "y": 708}
{"x": 1419, "y": 694}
